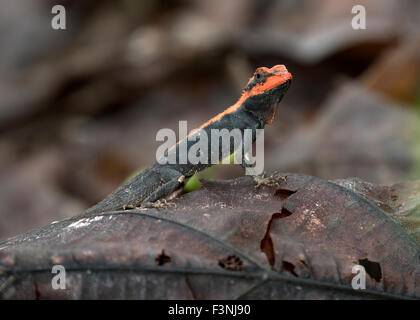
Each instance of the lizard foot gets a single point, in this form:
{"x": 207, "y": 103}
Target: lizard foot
{"x": 270, "y": 181}
{"x": 128, "y": 207}
{"x": 163, "y": 203}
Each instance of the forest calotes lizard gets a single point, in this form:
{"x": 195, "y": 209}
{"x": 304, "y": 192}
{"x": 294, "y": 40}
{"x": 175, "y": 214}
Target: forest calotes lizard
{"x": 255, "y": 108}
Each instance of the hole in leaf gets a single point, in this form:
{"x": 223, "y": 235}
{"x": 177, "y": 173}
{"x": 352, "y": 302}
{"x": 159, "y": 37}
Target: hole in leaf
{"x": 284, "y": 213}
{"x": 303, "y": 262}
{"x": 232, "y": 263}
{"x": 372, "y": 268}
{"x": 162, "y": 258}
{"x": 290, "y": 267}
{"x": 266, "y": 244}
{"x": 283, "y": 193}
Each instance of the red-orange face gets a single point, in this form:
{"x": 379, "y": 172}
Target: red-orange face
{"x": 265, "y": 79}
{"x": 265, "y": 90}
{"x": 262, "y": 94}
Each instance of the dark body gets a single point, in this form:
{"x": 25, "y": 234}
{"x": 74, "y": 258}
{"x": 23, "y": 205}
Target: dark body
{"x": 160, "y": 180}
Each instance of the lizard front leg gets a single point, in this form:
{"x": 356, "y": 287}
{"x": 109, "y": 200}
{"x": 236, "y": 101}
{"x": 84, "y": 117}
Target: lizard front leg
{"x": 247, "y": 146}
{"x": 259, "y": 179}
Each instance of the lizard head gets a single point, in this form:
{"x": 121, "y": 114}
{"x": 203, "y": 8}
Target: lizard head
{"x": 265, "y": 90}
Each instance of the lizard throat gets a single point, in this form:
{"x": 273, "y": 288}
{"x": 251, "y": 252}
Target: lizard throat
{"x": 273, "y": 114}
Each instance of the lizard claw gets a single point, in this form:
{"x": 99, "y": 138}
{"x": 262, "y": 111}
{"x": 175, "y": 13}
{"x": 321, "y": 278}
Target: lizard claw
{"x": 271, "y": 181}
{"x": 157, "y": 204}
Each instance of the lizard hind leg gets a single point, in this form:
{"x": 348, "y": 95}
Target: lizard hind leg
{"x": 164, "y": 190}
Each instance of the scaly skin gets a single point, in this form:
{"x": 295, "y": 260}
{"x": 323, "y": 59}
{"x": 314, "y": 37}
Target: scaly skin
{"x": 255, "y": 108}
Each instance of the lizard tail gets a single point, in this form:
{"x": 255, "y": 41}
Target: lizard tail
{"x": 130, "y": 194}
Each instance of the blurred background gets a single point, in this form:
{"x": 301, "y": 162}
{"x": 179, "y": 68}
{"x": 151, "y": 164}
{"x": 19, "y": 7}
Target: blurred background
{"x": 80, "y": 108}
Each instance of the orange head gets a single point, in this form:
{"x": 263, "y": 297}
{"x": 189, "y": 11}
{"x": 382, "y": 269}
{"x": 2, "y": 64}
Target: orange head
{"x": 265, "y": 90}
{"x": 262, "y": 94}
{"x": 265, "y": 79}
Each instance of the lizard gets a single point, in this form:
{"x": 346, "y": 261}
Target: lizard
{"x": 255, "y": 108}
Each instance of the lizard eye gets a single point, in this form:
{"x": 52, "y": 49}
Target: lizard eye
{"x": 259, "y": 77}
